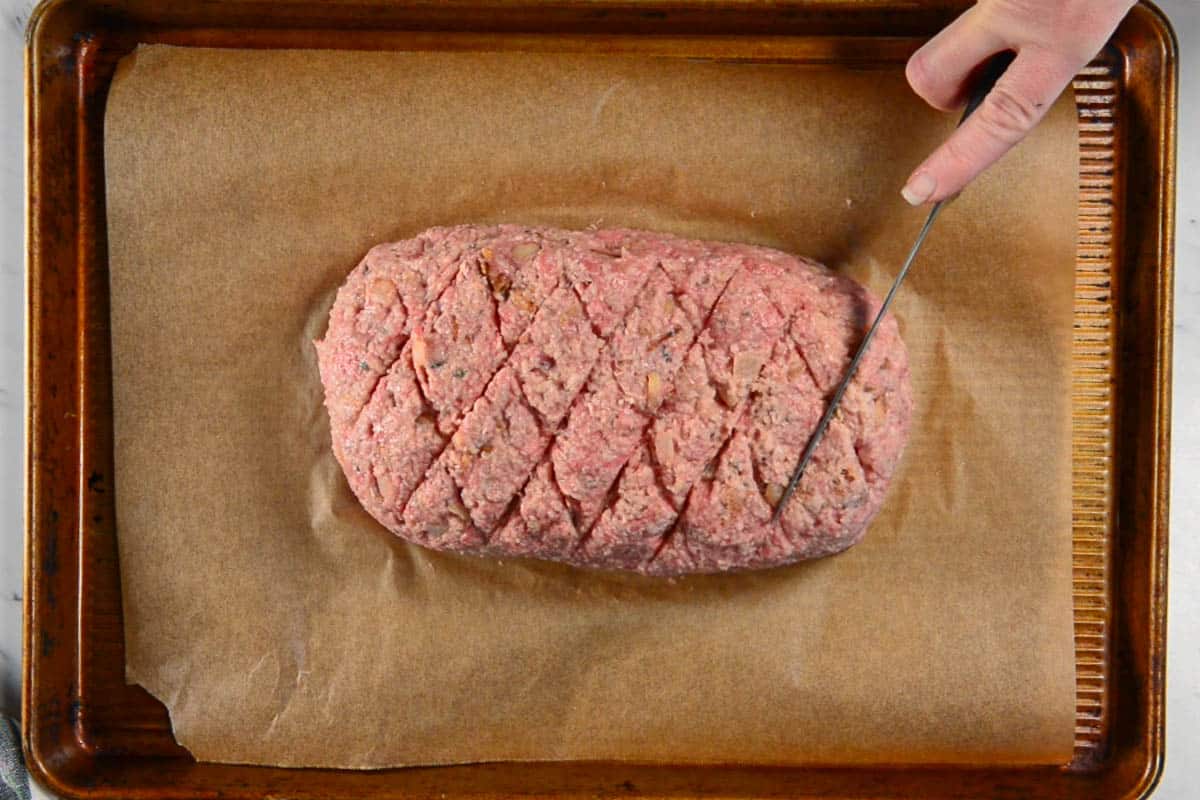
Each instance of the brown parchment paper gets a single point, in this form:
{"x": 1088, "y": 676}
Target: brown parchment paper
{"x": 281, "y": 625}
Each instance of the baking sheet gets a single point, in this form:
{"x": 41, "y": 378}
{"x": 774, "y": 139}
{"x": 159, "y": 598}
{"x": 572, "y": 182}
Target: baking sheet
{"x": 281, "y": 625}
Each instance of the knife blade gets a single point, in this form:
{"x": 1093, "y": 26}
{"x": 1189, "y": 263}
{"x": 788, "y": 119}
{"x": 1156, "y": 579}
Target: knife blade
{"x": 984, "y": 83}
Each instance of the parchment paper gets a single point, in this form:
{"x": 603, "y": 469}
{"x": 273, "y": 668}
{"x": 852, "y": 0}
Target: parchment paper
{"x": 281, "y": 625}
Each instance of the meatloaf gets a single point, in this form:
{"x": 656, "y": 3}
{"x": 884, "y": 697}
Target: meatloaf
{"x": 615, "y": 399}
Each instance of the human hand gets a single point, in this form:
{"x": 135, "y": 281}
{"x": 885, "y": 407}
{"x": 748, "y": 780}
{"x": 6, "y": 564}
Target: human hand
{"x": 1053, "y": 39}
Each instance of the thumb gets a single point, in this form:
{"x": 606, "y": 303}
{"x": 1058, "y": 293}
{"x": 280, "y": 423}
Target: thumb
{"x": 1019, "y": 100}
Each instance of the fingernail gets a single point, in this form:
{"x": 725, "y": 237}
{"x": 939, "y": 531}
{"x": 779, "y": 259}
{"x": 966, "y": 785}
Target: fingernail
{"x": 919, "y": 188}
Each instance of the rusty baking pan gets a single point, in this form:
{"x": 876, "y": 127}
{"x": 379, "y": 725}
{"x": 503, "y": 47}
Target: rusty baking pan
{"x": 88, "y": 734}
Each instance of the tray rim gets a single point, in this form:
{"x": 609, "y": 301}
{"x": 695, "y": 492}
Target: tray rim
{"x": 46, "y": 765}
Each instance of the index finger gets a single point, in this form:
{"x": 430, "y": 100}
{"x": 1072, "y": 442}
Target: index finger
{"x": 1018, "y": 102}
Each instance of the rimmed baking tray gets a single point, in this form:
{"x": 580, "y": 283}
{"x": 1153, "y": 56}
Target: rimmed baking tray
{"x": 88, "y": 734}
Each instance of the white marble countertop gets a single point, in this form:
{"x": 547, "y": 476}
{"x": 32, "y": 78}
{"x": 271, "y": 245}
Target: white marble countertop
{"x": 1183, "y": 664}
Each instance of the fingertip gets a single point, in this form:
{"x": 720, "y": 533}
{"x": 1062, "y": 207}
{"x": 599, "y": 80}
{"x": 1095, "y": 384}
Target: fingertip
{"x": 916, "y": 71}
{"x": 938, "y": 178}
{"x": 920, "y": 188}
{"x": 926, "y": 85}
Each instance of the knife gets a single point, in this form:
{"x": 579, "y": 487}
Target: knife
{"x": 988, "y": 75}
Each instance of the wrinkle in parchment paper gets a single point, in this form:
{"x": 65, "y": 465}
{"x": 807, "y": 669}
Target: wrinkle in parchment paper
{"x": 281, "y": 625}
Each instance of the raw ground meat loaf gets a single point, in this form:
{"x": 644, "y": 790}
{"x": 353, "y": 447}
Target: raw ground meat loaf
{"x": 614, "y": 398}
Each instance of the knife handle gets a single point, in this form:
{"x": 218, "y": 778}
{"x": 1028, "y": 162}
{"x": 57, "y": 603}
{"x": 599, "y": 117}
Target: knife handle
{"x": 991, "y": 71}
